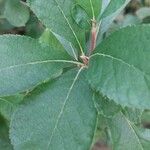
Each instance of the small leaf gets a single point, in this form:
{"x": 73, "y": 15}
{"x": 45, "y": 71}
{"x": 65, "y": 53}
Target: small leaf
{"x": 16, "y": 13}
{"x": 112, "y": 7}
{"x": 123, "y": 134}
{"x": 25, "y": 63}
{"x": 56, "y": 15}
{"x": 117, "y": 63}
{"x": 55, "y": 116}
{"x": 48, "y": 38}
{"x": 81, "y": 17}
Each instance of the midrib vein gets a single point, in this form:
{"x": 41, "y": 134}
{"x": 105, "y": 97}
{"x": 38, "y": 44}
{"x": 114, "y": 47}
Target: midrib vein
{"x": 92, "y": 9}
{"x": 63, "y": 107}
{"x": 74, "y": 34}
{"x": 39, "y": 62}
{"x": 121, "y": 61}
{"x": 134, "y": 132}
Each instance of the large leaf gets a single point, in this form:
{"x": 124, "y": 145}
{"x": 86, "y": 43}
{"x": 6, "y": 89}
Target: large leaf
{"x": 120, "y": 67}
{"x": 123, "y": 134}
{"x": 56, "y": 116}
{"x": 16, "y": 13}
{"x": 48, "y": 38}
{"x": 56, "y": 15}
{"x": 81, "y": 17}
{"x": 24, "y": 63}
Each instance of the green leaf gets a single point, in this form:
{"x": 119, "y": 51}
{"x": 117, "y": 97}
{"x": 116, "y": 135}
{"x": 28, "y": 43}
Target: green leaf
{"x": 34, "y": 28}
{"x": 112, "y": 7}
{"x": 16, "y": 13}
{"x": 92, "y": 7}
{"x": 48, "y": 38}
{"x": 134, "y": 115}
{"x": 81, "y": 17}
{"x": 9, "y": 104}
{"x": 144, "y": 135}
{"x": 56, "y": 15}
{"x": 105, "y": 4}
{"x": 123, "y": 134}
{"x": 25, "y": 63}
{"x": 68, "y": 46}
{"x": 120, "y": 68}
{"x": 105, "y": 107}
{"x": 106, "y": 21}
{"x": 146, "y": 117}
{"x": 55, "y": 116}
{"x": 4, "y": 137}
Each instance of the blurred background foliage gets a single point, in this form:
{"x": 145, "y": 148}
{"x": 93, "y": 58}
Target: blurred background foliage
{"x": 16, "y": 18}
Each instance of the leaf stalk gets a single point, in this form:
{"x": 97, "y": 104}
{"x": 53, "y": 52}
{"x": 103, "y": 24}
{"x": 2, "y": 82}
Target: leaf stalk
{"x": 93, "y": 36}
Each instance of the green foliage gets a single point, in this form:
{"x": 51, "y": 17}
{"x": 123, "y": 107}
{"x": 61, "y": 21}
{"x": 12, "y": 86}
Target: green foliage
{"x": 21, "y": 60}
{"x": 16, "y": 13}
{"x": 123, "y": 134}
{"x": 116, "y": 64}
{"x": 92, "y": 7}
{"x": 64, "y": 24}
{"x": 9, "y": 104}
{"x": 72, "y": 85}
{"x": 4, "y": 137}
{"x": 55, "y": 113}
{"x": 81, "y": 17}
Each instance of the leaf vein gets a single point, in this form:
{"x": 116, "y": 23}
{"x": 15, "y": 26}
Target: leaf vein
{"x": 132, "y": 129}
{"x": 120, "y": 60}
{"x": 63, "y": 106}
{"x": 61, "y": 10}
{"x": 40, "y": 62}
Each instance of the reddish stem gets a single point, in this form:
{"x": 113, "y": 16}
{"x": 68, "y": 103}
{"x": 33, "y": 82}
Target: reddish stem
{"x": 93, "y": 36}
